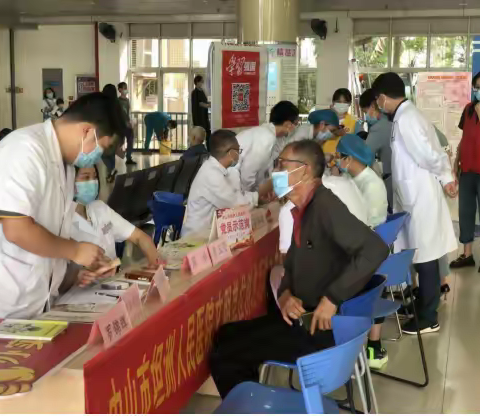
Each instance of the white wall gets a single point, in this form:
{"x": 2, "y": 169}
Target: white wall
{"x": 113, "y": 57}
{"x": 333, "y": 60}
{"x": 70, "y": 47}
{"x": 5, "y": 106}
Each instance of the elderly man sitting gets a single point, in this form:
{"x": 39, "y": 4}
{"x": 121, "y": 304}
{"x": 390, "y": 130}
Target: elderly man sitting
{"x": 197, "y": 140}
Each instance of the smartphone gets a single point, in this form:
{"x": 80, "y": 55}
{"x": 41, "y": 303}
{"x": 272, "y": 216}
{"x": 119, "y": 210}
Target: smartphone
{"x": 305, "y": 321}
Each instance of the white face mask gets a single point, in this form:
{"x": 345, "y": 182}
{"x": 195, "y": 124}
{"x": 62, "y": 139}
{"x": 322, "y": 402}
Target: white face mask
{"x": 49, "y": 95}
{"x": 341, "y": 108}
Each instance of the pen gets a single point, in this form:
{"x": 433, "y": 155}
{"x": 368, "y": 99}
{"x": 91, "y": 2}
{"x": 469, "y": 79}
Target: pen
{"x": 106, "y": 294}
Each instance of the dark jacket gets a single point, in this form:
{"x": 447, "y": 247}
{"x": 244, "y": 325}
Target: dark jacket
{"x": 200, "y": 114}
{"x": 338, "y": 253}
{"x": 194, "y": 151}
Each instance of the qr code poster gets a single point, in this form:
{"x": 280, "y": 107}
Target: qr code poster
{"x": 240, "y": 97}
{"x": 240, "y": 88}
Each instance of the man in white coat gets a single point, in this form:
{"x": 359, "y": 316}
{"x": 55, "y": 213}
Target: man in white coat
{"x": 421, "y": 174}
{"x": 36, "y": 192}
{"x": 257, "y": 144}
{"x": 217, "y": 185}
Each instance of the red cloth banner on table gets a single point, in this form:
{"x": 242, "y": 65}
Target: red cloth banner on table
{"x": 24, "y": 362}
{"x": 240, "y": 88}
{"x": 160, "y": 364}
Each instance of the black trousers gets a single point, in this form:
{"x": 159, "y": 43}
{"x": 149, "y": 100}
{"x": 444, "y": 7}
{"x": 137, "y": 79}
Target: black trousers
{"x": 468, "y": 198}
{"x": 429, "y": 291}
{"x": 129, "y": 138}
{"x": 241, "y": 347}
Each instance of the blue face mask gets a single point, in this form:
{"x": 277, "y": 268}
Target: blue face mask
{"x": 343, "y": 170}
{"x": 280, "y": 182}
{"x": 325, "y": 135}
{"x": 87, "y": 160}
{"x": 86, "y": 192}
{"x": 477, "y": 95}
{"x": 370, "y": 120}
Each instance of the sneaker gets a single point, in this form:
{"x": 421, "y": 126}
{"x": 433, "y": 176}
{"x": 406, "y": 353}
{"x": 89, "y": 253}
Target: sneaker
{"x": 377, "y": 358}
{"x": 130, "y": 162}
{"x": 462, "y": 261}
{"x": 425, "y": 328}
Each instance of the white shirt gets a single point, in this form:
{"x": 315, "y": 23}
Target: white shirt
{"x": 104, "y": 227}
{"x": 34, "y": 182}
{"x": 254, "y": 164}
{"x": 214, "y": 187}
{"x": 375, "y": 195}
{"x": 305, "y": 131}
{"x": 343, "y": 188}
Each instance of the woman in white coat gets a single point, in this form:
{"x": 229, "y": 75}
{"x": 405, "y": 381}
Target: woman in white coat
{"x": 421, "y": 173}
{"x": 95, "y": 222}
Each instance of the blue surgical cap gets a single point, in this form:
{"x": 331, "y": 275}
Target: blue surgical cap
{"x": 327, "y": 116}
{"x": 353, "y": 145}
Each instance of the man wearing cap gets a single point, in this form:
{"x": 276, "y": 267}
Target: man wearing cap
{"x": 356, "y": 159}
{"x": 322, "y": 124}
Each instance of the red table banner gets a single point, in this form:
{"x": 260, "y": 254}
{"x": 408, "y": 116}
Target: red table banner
{"x": 24, "y": 362}
{"x": 160, "y": 364}
{"x": 240, "y": 88}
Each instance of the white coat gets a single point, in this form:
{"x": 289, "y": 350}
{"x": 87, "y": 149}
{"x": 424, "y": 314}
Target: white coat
{"x": 420, "y": 169}
{"x": 214, "y": 187}
{"x": 103, "y": 228}
{"x": 254, "y": 163}
{"x": 34, "y": 182}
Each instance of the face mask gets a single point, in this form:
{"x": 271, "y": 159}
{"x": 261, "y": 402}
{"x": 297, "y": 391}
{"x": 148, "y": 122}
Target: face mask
{"x": 370, "y": 120}
{"x": 87, "y": 160}
{"x": 280, "y": 182}
{"x": 343, "y": 170}
{"x": 341, "y": 108}
{"x": 86, "y": 192}
{"x": 382, "y": 108}
{"x": 49, "y": 95}
{"x": 325, "y": 135}
{"x": 477, "y": 95}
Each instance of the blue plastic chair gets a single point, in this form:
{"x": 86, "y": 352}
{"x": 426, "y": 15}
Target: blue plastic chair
{"x": 320, "y": 373}
{"x": 389, "y": 230}
{"x": 166, "y": 215}
{"x": 169, "y": 197}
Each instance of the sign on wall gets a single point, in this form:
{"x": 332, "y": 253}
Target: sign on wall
{"x": 239, "y": 86}
{"x": 85, "y": 84}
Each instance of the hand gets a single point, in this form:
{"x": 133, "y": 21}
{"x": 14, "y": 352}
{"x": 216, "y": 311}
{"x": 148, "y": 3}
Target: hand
{"x": 87, "y": 277}
{"x": 160, "y": 261}
{"x": 89, "y": 255}
{"x": 451, "y": 189}
{"x": 340, "y": 132}
{"x": 322, "y": 317}
{"x": 290, "y": 306}
{"x": 265, "y": 189}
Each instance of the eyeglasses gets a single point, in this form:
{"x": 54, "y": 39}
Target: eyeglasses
{"x": 279, "y": 162}
{"x": 239, "y": 151}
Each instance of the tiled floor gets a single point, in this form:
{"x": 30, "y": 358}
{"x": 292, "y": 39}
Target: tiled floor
{"x": 452, "y": 354}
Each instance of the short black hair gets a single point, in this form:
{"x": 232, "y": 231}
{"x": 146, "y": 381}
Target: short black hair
{"x": 110, "y": 90}
{"x": 4, "y": 132}
{"x": 367, "y": 98}
{"x": 122, "y": 85}
{"x": 342, "y": 92}
{"x": 98, "y": 177}
{"x": 60, "y": 101}
{"x": 311, "y": 151}
{"x": 172, "y": 124}
{"x": 221, "y": 141}
{"x": 284, "y": 111}
{"x": 197, "y": 79}
{"x": 46, "y": 91}
{"x": 97, "y": 108}
{"x": 389, "y": 84}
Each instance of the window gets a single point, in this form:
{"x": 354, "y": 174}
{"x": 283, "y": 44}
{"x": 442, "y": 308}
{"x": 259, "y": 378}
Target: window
{"x": 409, "y": 79}
{"x": 308, "y": 53}
{"x": 175, "y": 53}
{"x": 144, "y": 93}
{"x": 144, "y": 53}
{"x": 409, "y": 52}
{"x": 200, "y": 52}
{"x": 371, "y": 52}
{"x": 448, "y": 52}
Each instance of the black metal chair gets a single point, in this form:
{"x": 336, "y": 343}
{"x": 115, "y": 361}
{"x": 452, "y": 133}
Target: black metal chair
{"x": 168, "y": 175}
{"x": 187, "y": 174}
